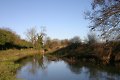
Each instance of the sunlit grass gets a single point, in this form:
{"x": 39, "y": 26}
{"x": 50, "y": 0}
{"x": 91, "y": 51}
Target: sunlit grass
{"x": 8, "y": 67}
{"x": 12, "y": 55}
{"x": 8, "y": 70}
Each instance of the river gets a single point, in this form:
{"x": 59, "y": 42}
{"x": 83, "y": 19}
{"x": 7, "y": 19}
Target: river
{"x": 44, "y": 69}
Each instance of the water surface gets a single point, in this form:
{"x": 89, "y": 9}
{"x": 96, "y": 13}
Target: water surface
{"x": 44, "y": 69}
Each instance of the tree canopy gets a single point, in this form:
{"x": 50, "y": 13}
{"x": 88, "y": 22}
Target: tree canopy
{"x": 105, "y": 17}
{"x": 7, "y": 36}
{"x": 9, "y": 39}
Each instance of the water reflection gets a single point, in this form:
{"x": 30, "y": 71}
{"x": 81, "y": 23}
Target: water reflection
{"x": 94, "y": 72}
{"x": 33, "y": 69}
{"x": 44, "y": 69}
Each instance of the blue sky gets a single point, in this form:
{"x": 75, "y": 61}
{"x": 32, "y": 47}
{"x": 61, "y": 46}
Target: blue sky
{"x": 62, "y": 18}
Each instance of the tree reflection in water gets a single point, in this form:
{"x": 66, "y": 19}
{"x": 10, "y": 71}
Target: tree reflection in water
{"x": 39, "y": 64}
{"x": 44, "y": 69}
{"x": 94, "y": 72}
{"x": 34, "y": 69}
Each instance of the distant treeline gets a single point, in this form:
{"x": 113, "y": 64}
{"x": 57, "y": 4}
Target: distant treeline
{"x": 90, "y": 50}
{"x": 10, "y": 40}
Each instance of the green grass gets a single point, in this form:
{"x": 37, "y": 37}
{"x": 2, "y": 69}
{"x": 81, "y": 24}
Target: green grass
{"x": 8, "y": 70}
{"x": 7, "y": 58}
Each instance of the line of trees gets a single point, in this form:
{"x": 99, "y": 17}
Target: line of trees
{"x": 10, "y": 40}
{"x": 37, "y": 40}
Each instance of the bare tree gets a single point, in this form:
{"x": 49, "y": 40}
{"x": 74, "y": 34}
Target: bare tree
{"x": 75, "y": 39}
{"x": 105, "y": 17}
{"x": 92, "y": 38}
{"x": 43, "y": 34}
{"x": 31, "y": 35}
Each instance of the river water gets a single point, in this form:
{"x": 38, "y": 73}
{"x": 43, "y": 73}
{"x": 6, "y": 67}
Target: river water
{"x": 44, "y": 69}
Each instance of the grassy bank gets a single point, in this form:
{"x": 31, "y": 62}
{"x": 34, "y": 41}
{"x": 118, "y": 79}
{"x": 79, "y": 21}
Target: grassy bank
{"x": 7, "y": 58}
{"x": 90, "y": 52}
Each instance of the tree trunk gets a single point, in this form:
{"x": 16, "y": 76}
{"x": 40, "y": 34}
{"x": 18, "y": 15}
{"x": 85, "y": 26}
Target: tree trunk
{"x": 112, "y": 57}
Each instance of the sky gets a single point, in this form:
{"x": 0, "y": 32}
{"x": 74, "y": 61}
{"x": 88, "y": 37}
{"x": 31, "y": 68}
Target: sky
{"x": 63, "y": 19}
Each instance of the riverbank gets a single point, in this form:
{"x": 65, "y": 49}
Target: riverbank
{"x": 8, "y": 67}
{"x": 92, "y": 53}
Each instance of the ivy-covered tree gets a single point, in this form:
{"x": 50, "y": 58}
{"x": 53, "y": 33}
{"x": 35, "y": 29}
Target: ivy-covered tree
{"x": 39, "y": 42}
